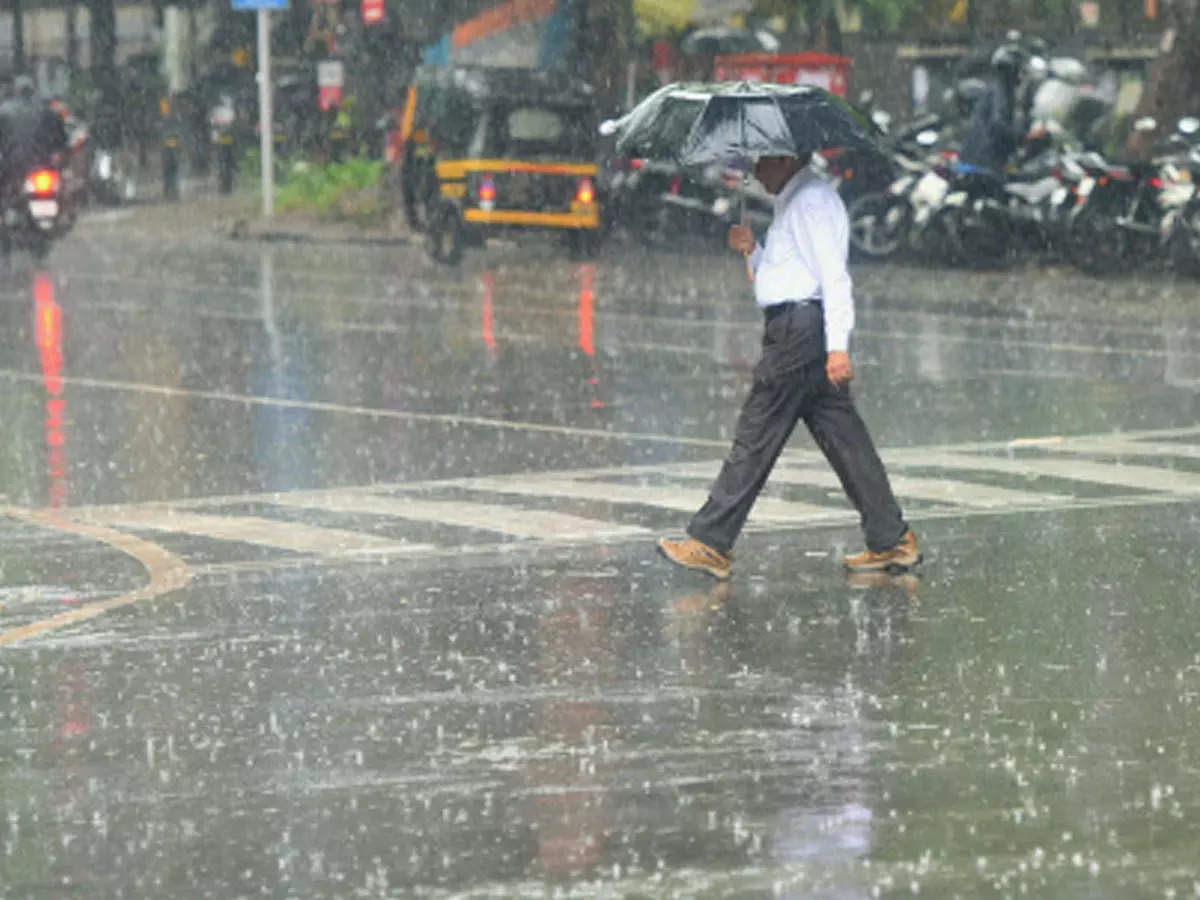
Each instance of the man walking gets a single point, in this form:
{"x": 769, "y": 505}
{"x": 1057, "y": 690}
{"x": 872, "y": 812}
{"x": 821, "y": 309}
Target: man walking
{"x": 804, "y": 290}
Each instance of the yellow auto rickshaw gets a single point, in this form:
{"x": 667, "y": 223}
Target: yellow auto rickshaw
{"x": 489, "y": 150}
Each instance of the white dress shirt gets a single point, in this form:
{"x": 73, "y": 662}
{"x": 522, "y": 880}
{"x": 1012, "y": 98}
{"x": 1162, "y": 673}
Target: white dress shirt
{"x": 805, "y": 254}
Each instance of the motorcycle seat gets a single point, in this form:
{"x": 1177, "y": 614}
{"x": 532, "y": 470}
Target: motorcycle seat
{"x": 1033, "y": 192}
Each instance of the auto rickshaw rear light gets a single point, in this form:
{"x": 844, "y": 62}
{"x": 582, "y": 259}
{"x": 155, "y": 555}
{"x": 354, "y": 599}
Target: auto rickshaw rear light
{"x": 487, "y": 192}
{"x": 586, "y": 192}
{"x": 43, "y": 181}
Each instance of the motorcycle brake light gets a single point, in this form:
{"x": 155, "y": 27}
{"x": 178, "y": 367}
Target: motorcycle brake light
{"x": 1156, "y": 183}
{"x": 43, "y": 181}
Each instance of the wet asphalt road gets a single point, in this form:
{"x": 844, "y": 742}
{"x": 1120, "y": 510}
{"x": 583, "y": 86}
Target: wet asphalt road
{"x": 329, "y": 573}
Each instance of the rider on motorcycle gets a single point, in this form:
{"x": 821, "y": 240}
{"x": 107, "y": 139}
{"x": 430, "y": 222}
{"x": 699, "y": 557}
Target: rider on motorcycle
{"x": 991, "y": 137}
{"x": 32, "y": 134}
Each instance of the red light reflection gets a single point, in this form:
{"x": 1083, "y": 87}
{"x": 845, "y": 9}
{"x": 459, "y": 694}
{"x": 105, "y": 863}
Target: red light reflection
{"x": 587, "y": 324}
{"x": 47, "y": 320}
{"x": 488, "y": 280}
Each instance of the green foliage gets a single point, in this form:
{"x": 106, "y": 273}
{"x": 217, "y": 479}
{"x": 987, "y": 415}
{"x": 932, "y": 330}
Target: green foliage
{"x": 319, "y": 187}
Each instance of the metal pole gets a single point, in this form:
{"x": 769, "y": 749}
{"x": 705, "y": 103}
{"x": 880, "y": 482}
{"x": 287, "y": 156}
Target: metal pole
{"x": 267, "y": 125}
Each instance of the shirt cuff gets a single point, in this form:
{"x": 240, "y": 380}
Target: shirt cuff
{"x": 837, "y": 339}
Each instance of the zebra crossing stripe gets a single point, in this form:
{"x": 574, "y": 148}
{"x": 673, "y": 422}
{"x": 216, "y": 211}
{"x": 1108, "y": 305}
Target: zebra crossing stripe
{"x": 811, "y": 470}
{"x": 1117, "y": 446}
{"x": 939, "y": 490}
{"x": 681, "y": 499}
{"x": 293, "y": 536}
{"x": 1134, "y": 477}
{"x": 523, "y": 523}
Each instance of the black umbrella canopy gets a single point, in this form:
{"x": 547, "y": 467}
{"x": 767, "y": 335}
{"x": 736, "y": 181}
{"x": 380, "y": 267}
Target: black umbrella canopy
{"x": 720, "y": 122}
{"x": 718, "y": 39}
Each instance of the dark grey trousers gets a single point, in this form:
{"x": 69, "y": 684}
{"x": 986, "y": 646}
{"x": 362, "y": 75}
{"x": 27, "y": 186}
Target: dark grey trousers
{"x": 789, "y": 385}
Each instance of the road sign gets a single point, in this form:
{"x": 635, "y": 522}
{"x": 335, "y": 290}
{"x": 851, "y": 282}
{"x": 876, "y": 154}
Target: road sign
{"x": 331, "y": 78}
{"x": 259, "y": 4}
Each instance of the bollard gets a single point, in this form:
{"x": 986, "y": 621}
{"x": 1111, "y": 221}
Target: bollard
{"x": 170, "y": 153}
{"x": 226, "y": 164}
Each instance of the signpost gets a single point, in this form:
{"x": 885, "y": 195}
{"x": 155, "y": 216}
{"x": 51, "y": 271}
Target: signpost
{"x": 265, "y": 94}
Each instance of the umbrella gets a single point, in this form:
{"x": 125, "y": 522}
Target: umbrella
{"x": 696, "y": 124}
{"x": 720, "y": 39}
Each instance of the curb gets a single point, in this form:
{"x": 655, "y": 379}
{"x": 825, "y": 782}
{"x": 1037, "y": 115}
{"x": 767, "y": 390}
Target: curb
{"x": 277, "y": 236}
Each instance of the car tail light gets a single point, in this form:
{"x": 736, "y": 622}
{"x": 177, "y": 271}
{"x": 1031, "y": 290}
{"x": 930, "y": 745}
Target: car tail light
{"x": 636, "y": 164}
{"x": 586, "y": 192}
{"x": 487, "y": 192}
{"x": 676, "y": 185}
{"x": 43, "y": 181}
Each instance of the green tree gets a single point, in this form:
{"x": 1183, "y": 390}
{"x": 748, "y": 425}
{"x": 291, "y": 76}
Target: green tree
{"x": 820, "y": 17}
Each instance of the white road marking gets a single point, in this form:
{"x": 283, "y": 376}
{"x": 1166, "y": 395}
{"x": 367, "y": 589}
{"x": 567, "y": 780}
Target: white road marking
{"x": 293, "y": 536}
{"x": 939, "y": 490}
{"x": 1123, "y": 446}
{"x": 1142, "y": 478}
{"x": 676, "y": 498}
{"x": 539, "y": 524}
{"x": 373, "y": 412}
{"x": 678, "y": 487}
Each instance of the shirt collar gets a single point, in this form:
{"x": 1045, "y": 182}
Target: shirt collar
{"x": 790, "y": 188}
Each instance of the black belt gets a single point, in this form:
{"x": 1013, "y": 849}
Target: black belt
{"x": 778, "y": 309}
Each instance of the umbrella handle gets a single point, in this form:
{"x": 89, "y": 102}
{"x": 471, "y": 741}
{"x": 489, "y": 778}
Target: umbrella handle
{"x": 742, "y": 216}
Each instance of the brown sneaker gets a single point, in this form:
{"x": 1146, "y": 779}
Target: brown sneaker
{"x": 904, "y": 555}
{"x": 692, "y": 554}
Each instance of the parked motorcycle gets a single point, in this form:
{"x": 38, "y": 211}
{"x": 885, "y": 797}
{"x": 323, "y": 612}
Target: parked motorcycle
{"x": 107, "y": 180}
{"x": 882, "y": 223}
{"x": 988, "y": 218}
{"x": 1180, "y": 199}
{"x": 1119, "y": 218}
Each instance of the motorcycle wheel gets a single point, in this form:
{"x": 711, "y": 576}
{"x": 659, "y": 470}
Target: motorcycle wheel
{"x": 1184, "y": 244}
{"x": 1094, "y": 244}
{"x": 977, "y": 241}
{"x": 879, "y": 224}
{"x": 938, "y": 240}
{"x": 444, "y": 236}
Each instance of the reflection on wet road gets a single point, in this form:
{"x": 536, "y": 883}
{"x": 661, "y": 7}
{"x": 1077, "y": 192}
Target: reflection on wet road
{"x": 327, "y": 572}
